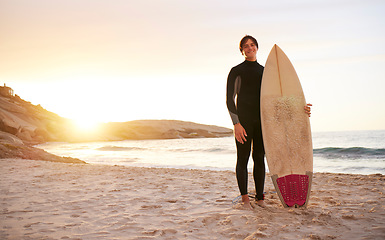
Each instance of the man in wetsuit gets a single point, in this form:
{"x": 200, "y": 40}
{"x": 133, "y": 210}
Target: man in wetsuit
{"x": 243, "y": 103}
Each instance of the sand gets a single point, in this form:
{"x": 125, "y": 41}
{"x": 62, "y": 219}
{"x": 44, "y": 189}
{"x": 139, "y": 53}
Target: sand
{"x": 51, "y": 200}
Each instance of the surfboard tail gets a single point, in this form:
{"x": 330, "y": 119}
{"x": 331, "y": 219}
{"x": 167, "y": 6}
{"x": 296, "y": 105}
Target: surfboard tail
{"x": 294, "y": 189}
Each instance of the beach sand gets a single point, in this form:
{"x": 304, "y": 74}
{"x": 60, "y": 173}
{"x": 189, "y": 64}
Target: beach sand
{"x": 51, "y": 200}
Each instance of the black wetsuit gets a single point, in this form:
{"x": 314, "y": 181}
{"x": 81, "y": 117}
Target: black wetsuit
{"x": 243, "y": 103}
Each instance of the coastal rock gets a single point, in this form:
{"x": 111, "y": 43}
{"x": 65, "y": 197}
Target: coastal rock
{"x": 13, "y": 147}
{"x": 9, "y": 138}
{"x": 30, "y": 123}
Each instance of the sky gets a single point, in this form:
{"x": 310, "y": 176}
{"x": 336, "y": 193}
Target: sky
{"x": 122, "y": 60}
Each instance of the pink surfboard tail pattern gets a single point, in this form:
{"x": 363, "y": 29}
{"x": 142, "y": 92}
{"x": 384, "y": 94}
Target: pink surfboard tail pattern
{"x": 293, "y": 189}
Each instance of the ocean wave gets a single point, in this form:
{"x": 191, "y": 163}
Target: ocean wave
{"x": 351, "y": 152}
{"x": 203, "y": 150}
{"x": 214, "y": 150}
{"x": 116, "y": 148}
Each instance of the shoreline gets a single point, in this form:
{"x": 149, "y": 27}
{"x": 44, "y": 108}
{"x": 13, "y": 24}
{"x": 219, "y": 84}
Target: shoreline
{"x": 54, "y": 200}
{"x": 350, "y": 153}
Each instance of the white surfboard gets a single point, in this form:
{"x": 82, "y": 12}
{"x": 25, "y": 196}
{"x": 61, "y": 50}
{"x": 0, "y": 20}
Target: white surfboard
{"x": 286, "y": 130}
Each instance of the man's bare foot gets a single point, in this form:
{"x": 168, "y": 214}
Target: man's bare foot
{"x": 261, "y": 203}
{"x": 246, "y": 202}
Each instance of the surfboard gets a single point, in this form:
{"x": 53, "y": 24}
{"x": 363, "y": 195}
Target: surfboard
{"x": 286, "y": 130}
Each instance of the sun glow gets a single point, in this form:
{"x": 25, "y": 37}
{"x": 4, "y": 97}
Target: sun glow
{"x": 86, "y": 125}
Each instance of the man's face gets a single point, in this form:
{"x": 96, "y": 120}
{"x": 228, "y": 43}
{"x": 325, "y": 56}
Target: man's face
{"x": 249, "y": 50}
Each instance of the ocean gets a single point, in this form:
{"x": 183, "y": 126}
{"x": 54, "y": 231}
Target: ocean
{"x": 355, "y": 152}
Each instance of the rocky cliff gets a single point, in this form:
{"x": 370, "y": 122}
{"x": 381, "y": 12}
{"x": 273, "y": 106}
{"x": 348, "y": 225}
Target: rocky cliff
{"x": 30, "y": 123}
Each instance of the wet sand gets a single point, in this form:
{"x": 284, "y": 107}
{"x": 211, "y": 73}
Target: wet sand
{"x": 51, "y": 200}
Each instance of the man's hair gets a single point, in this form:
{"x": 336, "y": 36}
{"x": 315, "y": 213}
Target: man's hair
{"x": 244, "y": 40}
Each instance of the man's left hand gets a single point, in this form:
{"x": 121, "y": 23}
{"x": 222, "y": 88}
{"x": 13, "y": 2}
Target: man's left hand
{"x": 308, "y": 109}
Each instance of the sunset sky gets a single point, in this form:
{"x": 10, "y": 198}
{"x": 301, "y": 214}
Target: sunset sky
{"x": 122, "y": 60}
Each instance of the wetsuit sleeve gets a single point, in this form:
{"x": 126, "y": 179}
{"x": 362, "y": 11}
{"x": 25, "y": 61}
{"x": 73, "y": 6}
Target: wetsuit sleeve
{"x": 233, "y": 86}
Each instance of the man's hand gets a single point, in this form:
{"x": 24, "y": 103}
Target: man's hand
{"x": 308, "y": 109}
{"x": 240, "y": 133}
